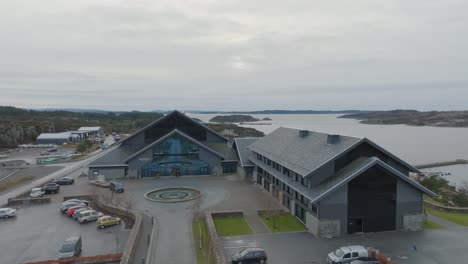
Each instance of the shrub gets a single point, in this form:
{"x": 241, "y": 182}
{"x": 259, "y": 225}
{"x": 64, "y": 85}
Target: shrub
{"x": 435, "y": 184}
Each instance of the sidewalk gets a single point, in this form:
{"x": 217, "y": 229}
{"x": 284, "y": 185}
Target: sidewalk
{"x": 443, "y": 222}
{"x": 256, "y": 224}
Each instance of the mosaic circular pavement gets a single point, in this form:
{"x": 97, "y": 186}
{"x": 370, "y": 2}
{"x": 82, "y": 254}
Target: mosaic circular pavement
{"x": 173, "y": 195}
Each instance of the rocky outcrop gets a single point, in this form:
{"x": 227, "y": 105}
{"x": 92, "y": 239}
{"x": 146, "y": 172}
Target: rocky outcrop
{"x": 233, "y": 119}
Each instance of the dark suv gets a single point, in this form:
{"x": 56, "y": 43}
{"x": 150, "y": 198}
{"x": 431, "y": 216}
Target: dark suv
{"x": 250, "y": 255}
{"x": 51, "y": 187}
{"x": 116, "y": 187}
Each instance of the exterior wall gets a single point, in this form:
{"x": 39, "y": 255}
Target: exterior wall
{"x": 109, "y": 173}
{"x": 136, "y": 163}
{"x": 57, "y": 141}
{"x": 321, "y": 174}
{"x": 335, "y": 207}
{"x": 409, "y": 203}
{"x": 241, "y": 172}
{"x": 213, "y": 160}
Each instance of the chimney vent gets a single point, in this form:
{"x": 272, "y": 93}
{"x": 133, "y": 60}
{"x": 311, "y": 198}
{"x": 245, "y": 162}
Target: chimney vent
{"x": 333, "y": 139}
{"x": 303, "y": 133}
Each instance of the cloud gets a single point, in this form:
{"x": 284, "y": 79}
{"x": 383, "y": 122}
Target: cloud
{"x": 231, "y": 54}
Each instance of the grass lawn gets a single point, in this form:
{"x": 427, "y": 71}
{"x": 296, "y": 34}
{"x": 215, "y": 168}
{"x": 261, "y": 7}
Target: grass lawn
{"x": 231, "y": 226}
{"x": 203, "y": 251}
{"x": 283, "y": 223}
{"x": 457, "y": 218}
{"x": 431, "y": 225}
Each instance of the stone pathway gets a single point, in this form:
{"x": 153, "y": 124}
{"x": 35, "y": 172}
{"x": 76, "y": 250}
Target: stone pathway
{"x": 256, "y": 224}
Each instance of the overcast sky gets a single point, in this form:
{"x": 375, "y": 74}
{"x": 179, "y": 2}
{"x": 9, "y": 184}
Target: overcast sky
{"x": 234, "y": 55}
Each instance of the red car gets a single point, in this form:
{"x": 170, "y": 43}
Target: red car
{"x": 72, "y": 209}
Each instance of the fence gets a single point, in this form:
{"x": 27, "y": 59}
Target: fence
{"x": 447, "y": 208}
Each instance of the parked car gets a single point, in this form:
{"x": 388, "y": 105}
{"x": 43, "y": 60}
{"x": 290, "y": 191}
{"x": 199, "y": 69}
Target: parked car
{"x": 78, "y": 211}
{"x": 365, "y": 260}
{"x": 347, "y": 254}
{"x": 52, "y": 150}
{"x": 36, "y": 192}
{"x": 71, "y": 210}
{"x": 250, "y": 255}
{"x": 71, "y": 247}
{"x": 88, "y": 216}
{"x": 44, "y": 153}
{"x": 51, "y": 187}
{"x": 64, "y": 206}
{"x": 7, "y": 212}
{"x": 116, "y": 187}
{"x": 64, "y": 181}
{"x": 105, "y": 221}
{"x": 77, "y": 201}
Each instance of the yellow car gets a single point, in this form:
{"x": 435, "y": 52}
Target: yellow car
{"x": 106, "y": 220}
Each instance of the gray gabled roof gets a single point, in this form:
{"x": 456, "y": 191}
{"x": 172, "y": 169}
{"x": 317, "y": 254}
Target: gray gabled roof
{"x": 341, "y": 178}
{"x": 242, "y": 151}
{"x": 175, "y": 112}
{"x": 178, "y": 132}
{"x": 300, "y": 154}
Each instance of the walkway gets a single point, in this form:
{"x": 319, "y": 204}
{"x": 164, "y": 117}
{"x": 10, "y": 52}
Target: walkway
{"x": 256, "y": 224}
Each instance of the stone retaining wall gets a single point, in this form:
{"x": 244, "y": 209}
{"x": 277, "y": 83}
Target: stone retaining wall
{"x": 27, "y": 201}
{"x": 446, "y": 208}
{"x": 218, "y": 246}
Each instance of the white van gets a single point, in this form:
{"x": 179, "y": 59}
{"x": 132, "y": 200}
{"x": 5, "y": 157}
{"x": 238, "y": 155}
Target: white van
{"x": 347, "y": 254}
{"x": 88, "y": 216}
{"x": 36, "y": 192}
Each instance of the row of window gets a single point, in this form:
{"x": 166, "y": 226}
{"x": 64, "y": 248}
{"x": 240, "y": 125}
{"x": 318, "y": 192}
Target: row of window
{"x": 289, "y": 173}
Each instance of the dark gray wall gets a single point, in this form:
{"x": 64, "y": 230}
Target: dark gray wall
{"x": 409, "y": 201}
{"x": 335, "y": 207}
{"x": 321, "y": 174}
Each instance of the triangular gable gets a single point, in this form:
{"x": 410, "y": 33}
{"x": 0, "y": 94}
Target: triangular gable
{"x": 175, "y": 131}
{"x": 369, "y": 163}
{"x": 167, "y": 116}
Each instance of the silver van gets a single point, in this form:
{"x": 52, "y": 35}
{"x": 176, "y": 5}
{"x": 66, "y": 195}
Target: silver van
{"x": 88, "y": 216}
{"x": 347, "y": 254}
{"x": 71, "y": 247}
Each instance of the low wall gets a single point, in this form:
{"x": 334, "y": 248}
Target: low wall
{"x": 446, "y": 208}
{"x": 99, "y": 259}
{"x": 218, "y": 246}
{"x": 28, "y": 201}
{"x": 227, "y": 214}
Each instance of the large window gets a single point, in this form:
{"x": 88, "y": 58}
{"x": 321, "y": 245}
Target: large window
{"x": 175, "y": 156}
{"x": 229, "y": 168}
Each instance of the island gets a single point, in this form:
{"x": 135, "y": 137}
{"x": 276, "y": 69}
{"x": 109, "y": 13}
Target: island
{"x": 233, "y": 130}
{"x": 233, "y": 119}
{"x": 266, "y": 119}
{"x": 413, "y": 118}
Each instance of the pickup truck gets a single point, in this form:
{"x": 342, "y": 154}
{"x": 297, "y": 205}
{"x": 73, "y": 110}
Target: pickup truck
{"x": 51, "y": 187}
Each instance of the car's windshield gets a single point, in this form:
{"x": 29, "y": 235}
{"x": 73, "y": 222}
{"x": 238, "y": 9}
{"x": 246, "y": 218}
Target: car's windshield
{"x": 68, "y": 248}
{"x": 244, "y": 252}
{"x": 339, "y": 253}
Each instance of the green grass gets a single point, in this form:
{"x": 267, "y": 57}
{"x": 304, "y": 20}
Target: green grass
{"x": 431, "y": 225}
{"x": 283, "y": 223}
{"x": 203, "y": 254}
{"x": 231, "y": 226}
{"x": 457, "y": 218}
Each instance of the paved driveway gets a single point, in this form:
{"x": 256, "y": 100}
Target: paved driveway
{"x": 38, "y": 231}
{"x": 433, "y": 246}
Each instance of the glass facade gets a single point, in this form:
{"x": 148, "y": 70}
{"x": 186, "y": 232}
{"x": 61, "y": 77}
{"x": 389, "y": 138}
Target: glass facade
{"x": 175, "y": 156}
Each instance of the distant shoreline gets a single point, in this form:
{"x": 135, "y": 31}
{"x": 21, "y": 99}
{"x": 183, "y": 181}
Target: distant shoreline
{"x": 412, "y": 118}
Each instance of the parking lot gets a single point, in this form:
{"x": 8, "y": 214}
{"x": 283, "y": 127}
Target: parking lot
{"x": 432, "y": 246}
{"x": 38, "y": 231}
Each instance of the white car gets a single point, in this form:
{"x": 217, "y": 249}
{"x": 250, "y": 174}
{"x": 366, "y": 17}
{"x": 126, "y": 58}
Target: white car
{"x": 346, "y": 254}
{"x": 7, "y": 212}
{"x": 88, "y": 216}
{"x": 36, "y": 192}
